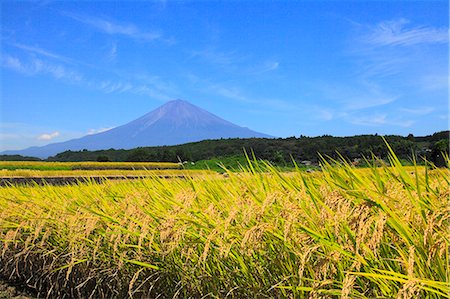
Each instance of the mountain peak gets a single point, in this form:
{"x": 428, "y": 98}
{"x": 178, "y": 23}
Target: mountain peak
{"x": 176, "y": 102}
{"x": 179, "y": 101}
{"x": 176, "y": 105}
{"x": 178, "y": 113}
{"x": 175, "y": 122}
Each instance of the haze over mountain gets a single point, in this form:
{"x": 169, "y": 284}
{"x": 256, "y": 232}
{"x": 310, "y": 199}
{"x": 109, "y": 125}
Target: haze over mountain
{"x": 175, "y": 122}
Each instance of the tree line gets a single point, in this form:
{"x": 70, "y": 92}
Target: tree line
{"x": 280, "y": 151}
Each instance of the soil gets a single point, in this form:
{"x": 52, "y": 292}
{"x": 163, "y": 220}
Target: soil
{"x": 10, "y": 291}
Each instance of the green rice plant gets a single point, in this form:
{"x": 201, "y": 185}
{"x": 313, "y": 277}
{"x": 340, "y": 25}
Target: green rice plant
{"x": 379, "y": 232}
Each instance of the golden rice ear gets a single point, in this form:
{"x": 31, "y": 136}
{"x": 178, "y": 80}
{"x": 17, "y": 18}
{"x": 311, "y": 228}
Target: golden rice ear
{"x": 344, "y": 231}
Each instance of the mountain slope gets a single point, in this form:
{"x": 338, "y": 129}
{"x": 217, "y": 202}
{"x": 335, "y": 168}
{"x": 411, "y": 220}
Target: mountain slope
{"x": 175, "y": 122}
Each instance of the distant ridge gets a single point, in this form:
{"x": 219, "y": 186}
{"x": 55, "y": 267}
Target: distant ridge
{"x": 175, "y": 122}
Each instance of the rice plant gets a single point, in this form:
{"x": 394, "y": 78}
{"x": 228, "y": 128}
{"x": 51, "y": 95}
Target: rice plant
{"x": 342, "y": 232}
{"x": 49, "y": 166}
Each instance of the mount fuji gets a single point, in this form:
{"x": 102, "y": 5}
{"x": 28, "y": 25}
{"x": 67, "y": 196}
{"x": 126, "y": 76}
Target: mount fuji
{"x": 175, "y": 122}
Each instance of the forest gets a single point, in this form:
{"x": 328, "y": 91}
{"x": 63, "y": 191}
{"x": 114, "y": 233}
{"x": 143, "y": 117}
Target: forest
{"x": 280, "y": 151}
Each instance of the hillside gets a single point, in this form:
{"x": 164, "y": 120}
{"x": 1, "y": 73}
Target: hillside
{"x": 278, "y": 150}
{"x": 175, "y": 122}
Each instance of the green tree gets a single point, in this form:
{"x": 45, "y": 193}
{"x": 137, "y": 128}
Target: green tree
{"x": 103, "y": 158}
{"x": 438, "y": 152}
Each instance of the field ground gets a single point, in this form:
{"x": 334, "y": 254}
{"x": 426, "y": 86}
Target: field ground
{"x": 62, "y": 177}
{"x": 9, "y": 291}
{"x": 38, "y": 174}
{"x": 379, "y": 232}
{"x": 39, "y": 165}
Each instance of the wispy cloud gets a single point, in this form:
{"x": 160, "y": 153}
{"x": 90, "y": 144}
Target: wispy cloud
{"x": 151, "y": 86}
{"x": 16, "y": 136}
{"x": 435, "y": 82}
{"x": 112, "y": 54}
{"x": 155, "y": 82}
{"x": 270, "y": 66}
{"x": 397, "y": 33}
{"x": 368, "y": 101}
{"x": 113, "y": 87}
{"x": 362, "y": 94}
{"x": 40, "y": 51}
{"x": 48, "y": 136}
{"x": 379, "y": 120}
{"x": 324, "y": 114}
{"x": 384, "y": 52}
{"x": 218, "y": 88}
{"x": 216, "y": 57}
{"x": 267, "y": 66}
{"x": 233, "y": 61}
{"x": 395, "y": 47}
{"x": 114, "y": 28}
{"x": 418, "y": 110}
{"x": 37, "y": 66}
{"x": 139, "y": 88}
{"x": 152, "y": 93}
{"x": 96, "y": 131}
{"x": 238, "y": 94}
{"x": 231, "y": 92}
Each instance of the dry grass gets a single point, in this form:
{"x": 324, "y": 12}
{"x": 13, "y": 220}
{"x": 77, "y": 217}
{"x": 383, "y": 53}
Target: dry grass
{"x": 343, "y": 232}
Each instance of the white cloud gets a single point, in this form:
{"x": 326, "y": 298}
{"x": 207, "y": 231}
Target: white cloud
{"x": 112, "y": 28}
{"x": 49, "y": 136}
{"x": 15, "y": 136}
{"x": 396, "y": 33}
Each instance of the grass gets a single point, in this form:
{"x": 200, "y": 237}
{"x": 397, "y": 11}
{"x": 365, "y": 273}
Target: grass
{"x": 379, "y": 232}
{"x": 232, "y": 163}
{"x": 219, "y": 164}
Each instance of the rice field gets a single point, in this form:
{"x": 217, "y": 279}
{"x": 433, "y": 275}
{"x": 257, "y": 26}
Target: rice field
{"x": 60, "y": 175}
{"x": 101, "y": 173}
{"x": 381, "y": 232}
{"x": 41, "y": 165}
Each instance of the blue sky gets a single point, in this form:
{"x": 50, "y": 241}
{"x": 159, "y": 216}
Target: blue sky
{"x": 284, "y": 68}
